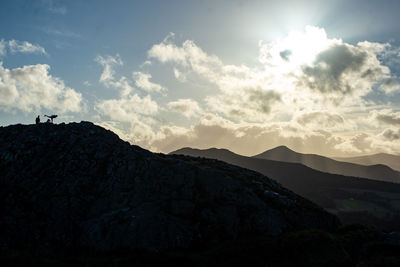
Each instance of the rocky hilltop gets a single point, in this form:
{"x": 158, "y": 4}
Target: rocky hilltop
{"x": 77, "y": 185}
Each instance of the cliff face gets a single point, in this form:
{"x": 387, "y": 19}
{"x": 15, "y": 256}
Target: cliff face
{"x": 77, "y": 185}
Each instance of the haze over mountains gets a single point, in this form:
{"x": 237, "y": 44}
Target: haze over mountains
{"x": 393, "y": 161}
{"x": 377, "y": 171}
{"x": 343, "y": 195}
{"x": 295, "y": 176}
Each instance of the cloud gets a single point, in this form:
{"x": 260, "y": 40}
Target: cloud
{"x": 387, "y": 116}
{"x": 391, "y": 134}
{"x": 357, "y": 144}
{"x": 298, "y": 48}
{"x": 137, "y": 133}
{"x": 188, "y": 55}
{"x": 263, "y": 100}
{"x": 3, "y": 46}
{"x": 54, "y": 7}
{"x": 303, "y": 93}
{"x": 187, "y": 107}
{"x": 62, "y": 33}
{"x": 15, "y": 46}
{"x": 108, "y": 63}
{"x": 344, "y": 70}
{"x": 331, "y": 65}
{"x": 31, "y": 88}
{"x": 305, "y": 69}
{"x": 320, "y": 120}
{"x": 390, "y": 85}
{"x": 243, "y": 92}
{"x": 87, "y": 83}
{"x": 250, "y": 104}
{"x": 165, "y": 52}
{"x": 107, "y": 77}
{"x": 127, "y": 108}
{"x": 181, "y": 77}
{"x": 25, "y": 47}
{"x": 285, "y": 54}
{"x": 387, "y": 141}
{"x": 146, "y": 63}
{"x": 252, "y": 138}
{"x": 142, "y": 80}
{"x": 243, "y": 138}
{"x": 129, "y": 105}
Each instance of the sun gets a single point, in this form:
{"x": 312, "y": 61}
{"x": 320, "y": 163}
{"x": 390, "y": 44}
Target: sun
{"x": 304, "y": 46}
{"x": 297, "y": 49}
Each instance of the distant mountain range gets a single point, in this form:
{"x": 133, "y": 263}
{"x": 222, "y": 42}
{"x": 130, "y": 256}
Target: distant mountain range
{"x": 345, "y": 196}
{"x": 295, "y": 176}
{"x": 376, "y": 172}
{"x": 393, "y": 161}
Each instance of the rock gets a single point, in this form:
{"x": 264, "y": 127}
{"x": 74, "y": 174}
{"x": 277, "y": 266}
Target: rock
{"x": 77, "y": 185}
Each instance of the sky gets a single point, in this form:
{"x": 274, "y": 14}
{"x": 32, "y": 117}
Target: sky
{"x": 317, "y": 76}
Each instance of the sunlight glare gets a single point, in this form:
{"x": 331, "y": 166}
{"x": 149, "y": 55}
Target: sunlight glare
{"x": 298, "y": 48}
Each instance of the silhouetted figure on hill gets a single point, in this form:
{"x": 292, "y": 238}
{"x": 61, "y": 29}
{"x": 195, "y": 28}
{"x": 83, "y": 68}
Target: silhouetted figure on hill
{"x": 37, "y": 119}
{"x": 51, "y": 117}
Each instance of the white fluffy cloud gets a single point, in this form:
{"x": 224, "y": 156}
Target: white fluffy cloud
{"x": 32, "y": 88}
{"x": 129, "y": 108}
{"x": 302, "y": 93}
{"x": 244, "y": 138}
{"x": 142, "y": 80}
{"x": 187, "y": 107}
{"x": 244, "y": 93}
{"x": 304, "y": 69}
{"x": 251, "y": 139}
{"x": 138, "y": 132}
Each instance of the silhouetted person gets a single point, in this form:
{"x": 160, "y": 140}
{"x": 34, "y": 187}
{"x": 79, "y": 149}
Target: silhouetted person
{"x": 48, "y": 121}
{"x": 37, "y": 119}
{"x": 51, "y": 117}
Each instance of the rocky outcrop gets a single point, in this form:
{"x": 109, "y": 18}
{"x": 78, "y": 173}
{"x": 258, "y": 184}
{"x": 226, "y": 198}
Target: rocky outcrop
{"x": 77, "y": 185}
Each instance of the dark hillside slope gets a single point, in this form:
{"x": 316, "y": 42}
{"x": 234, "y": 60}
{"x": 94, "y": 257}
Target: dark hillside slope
{"x": 377, "y": 172}
{"x": 78, "y": 186}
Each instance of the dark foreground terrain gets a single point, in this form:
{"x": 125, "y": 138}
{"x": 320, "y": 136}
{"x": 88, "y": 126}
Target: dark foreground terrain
{"x": 76, "y": 195}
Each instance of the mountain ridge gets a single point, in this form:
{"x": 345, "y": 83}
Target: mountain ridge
{"x": 325, "y": 164}
{"x": 353, "y": 199}
{"x": 393, "y": 161}
{"x": 276, "y": 169}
